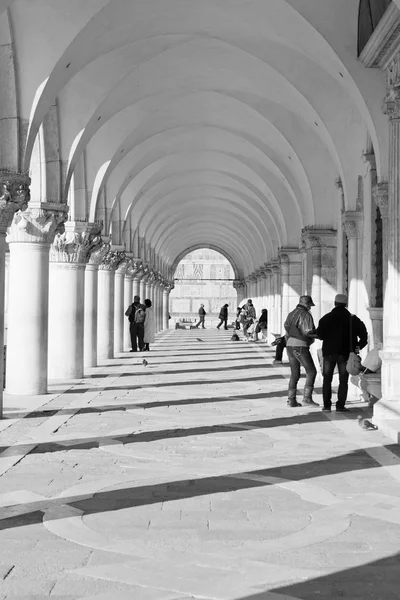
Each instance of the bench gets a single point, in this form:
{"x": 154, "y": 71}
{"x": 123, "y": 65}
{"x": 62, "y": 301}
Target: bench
{"x": 185, "y": 324}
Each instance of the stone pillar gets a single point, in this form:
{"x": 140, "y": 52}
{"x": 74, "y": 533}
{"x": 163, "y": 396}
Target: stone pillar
{"x": 105, "y": 315}
{"x": 320, "y": 251}
{"x": 285, "y": 294}
{"x": 353, "y": 227}
{"x": 276, "y": 321}
{"x": 240, "y": 288}
{"x": 142, "y": 284}
{"x": 165, "y": 306}
{"x": 381, "y": 197}
{"x": 388, "y": 408}
{"x": 14, "y": 197}
{"x": 340, "y": 240}
{"x": 30, "y": 236}
{"x": 91, "y": 305}
{"x": 69, "y": 254}
{"x": 128, "y": 298}
{"x": 119, "y": 306}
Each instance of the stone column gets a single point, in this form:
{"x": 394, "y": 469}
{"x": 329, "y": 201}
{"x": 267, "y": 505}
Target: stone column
{"x": 143, "y": 281}
{"x": 353, "y": 227}
{"x": 240, "y": 288}
{"x": 285, "y": 295}
{"x": 320, "y": 250}
{"x": 119, "y": 305}
{"x": 106, "y": 289}
{"x": 30, "y": 236}
{"x": 388, "y": 408}
{"x": 165, "y": 305}
{"x": 69, "y": 254}
{"x": 91, "y": 305}
{"x": 381, "y": 197}
{"x": 128, "y": 299}
{"x": 14, "y": 197}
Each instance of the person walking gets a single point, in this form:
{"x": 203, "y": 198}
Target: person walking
{"x": 223, "y": 316}
{"x": 149, "y": 326}
{"x": 248, "y": 315}
{"x": 238, "y": 320}
{"x": 202, "y": 317}
{"x": 341, "y": 333}
{"x": 136, "y": 315}
{"x": 300, "y": 334}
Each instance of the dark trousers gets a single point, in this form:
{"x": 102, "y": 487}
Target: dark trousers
{"x": 329, "y": 364}
{"x": 137, "y": 336}
{"x": 280, "y": 346}
{"x": 224, "y": 321}
{"x": 201, "y": 321}
{"x": 300, "y": 357}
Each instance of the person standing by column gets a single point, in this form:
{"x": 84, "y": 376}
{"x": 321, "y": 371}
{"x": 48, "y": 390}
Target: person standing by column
{"x": 149, "y": 326}
{"x": 202, "y": 317}
{"x": 300, "y": 332}
{"x": 223, "y": 316}
{"x": 249, "y": 314}
{"x": 136, "y": 325}
{"x": 262, "y": 325}
{"x": 341, "y": 333}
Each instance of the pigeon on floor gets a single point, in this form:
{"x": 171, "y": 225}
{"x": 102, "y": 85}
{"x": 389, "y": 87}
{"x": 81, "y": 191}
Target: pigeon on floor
{"x": 144, "y": 362}
{"x": 365, "y": 424}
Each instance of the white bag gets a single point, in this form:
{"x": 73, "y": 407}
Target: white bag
{"x": 373, "y": 361}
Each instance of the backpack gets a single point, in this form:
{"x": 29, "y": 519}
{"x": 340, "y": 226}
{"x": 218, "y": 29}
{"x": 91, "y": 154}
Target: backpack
{"x": 140, "y": 315}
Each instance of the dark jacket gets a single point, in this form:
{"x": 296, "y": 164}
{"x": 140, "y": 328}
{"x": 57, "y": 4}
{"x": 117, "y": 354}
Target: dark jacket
{"x": 334, "y": 330}
{"x": 300, "y": 324}
{"x": 223, "y": 313}
{"x": 131, "y": 310}
{"x": 202, "y": 312}
{"x": 263, "y": 320}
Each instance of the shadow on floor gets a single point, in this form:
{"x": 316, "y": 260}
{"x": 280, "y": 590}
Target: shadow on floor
{"x": 128, "y": 497}
{"x": 89, "y": 443}
{"x": 377, "y": 580}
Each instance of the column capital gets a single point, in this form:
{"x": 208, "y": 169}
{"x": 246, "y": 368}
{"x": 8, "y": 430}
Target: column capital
{"x": 391, "y": 103}
{"x": 313, "y": 236}
{"x": 380, "y": 193}
{"x": 38, "y": 223}
{"x": 111, "y": 260}
{"x": 352, "y": 221}
{"x": 239, "y": 284}
{"x": 275, "y": 269}
{"x": 135, "y": 266}
{"x": 96, "y": 257}
{"x": 76, "y": 244}
{"x": 14, "y": 196}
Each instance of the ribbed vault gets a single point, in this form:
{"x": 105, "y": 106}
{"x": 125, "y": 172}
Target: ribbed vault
{"x": 188, "y": 124}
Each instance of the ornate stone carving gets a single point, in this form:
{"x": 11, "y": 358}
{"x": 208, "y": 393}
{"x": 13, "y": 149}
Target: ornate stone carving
{"x": 14, "y": 196}
{"x": 135, "y": 267}
{"x": 239, "y": 284}
{"x": 391, "y": 105}
{"x": 38, "y": 224}
{"x": 97, "y": 255}
{"x": 317, "y": 237}
{"x": 112, "y": 260}
{"x": 352, "y": 224}
{"x": 76, "y": 243}
{"x": 381, "y": 197}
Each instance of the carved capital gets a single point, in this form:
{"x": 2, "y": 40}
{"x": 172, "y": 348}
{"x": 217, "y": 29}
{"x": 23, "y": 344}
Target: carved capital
{"x": 96, "y": 257}
{"x": 111, "y": 260}
{"x": 380, "y": 194}
{"x": 352, "y": 221}
{"x": 135, "y": 267}
{"x": 14, "y": 196}
{"x": 391, "y": 105}
{"x": 313, "y": 236}
{"x": 239, "y": 284}
{"x": 38, "y": 224}
{"x": 76, "y": 243}
{"x": 369, "y": 159}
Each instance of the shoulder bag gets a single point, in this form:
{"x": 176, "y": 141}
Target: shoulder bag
{"x": 353, "y": 365}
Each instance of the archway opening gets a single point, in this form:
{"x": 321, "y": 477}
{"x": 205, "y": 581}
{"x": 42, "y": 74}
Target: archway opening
{"x": 206, "y": 277}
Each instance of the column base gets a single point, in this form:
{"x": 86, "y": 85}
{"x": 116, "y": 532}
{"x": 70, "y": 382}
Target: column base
{"x": 387, "y": 409}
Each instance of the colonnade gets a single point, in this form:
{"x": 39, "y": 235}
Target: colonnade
{"x": 68, "y": 290}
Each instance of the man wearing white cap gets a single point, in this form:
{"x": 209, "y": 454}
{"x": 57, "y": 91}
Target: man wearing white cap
{"x": 341, "y": 333}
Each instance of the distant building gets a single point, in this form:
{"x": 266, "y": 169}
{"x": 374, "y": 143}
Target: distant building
{"x": 203, "y": 277}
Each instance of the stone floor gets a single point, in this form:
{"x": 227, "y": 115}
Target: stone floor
{"x": 191, "y": 478}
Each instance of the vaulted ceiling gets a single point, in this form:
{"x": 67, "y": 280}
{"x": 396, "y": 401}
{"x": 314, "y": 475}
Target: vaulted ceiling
{"x": 191, "y": 123}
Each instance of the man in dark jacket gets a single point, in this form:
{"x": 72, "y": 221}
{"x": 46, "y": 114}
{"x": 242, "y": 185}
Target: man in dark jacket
{"x": 136, "y": 327}
{"x": 300, "y": 334}
{"x": 202, "y": 317}
{"x": 223, "y": 316}
{"x": 341, "y": 333}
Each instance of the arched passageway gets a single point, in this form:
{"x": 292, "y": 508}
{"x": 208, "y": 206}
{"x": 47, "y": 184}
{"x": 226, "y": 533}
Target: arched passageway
{"x": 137, "y": 131}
